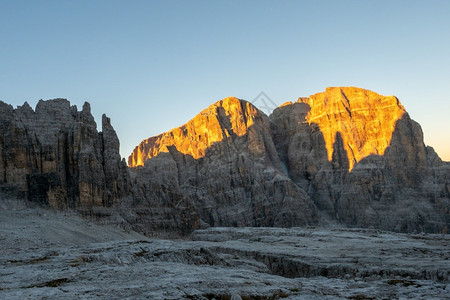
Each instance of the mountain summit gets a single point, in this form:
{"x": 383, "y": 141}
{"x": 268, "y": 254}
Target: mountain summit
{"x": 346, "y": 155}
{"x": 224, "y": 163}
{"x": 365, "y": 120}
{"x": 343, "y": 157}
{"x": 223, "y": 119}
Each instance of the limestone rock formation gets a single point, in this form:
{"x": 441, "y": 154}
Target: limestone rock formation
{"x": 228, "y": 118}
{"x": 363, "y": 161}
{"x": 346, "y": 155}
{"x": 353, "y": 155}
{"x": 364, "y": 119}
{"x": 224, "y": 163}
{"x": 55, "y": 156}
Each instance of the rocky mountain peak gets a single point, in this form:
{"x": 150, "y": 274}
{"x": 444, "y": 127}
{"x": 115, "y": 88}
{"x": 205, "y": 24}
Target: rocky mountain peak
{"x": 54, "y": 155}
{"x": 364, "y": 120}
{"x": 346, "y": 155}
{"x": 224, "y": 119}
{"x": 221, "y": 169}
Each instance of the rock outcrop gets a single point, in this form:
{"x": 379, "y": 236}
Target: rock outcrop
{"x": 364, "y": 119}
{"x": 346, "y": 155}
{"x": 225, "y": 164}
{"x": 363, "y": 161}
{"x": 55, "y": 156}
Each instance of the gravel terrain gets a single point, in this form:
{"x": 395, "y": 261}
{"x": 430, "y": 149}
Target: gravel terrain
{"x": 55, "y": 255}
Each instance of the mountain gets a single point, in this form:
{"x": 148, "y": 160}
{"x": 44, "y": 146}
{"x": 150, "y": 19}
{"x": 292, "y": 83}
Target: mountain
{"x": 346, "y": 155}
{"x": 363, "y": 161}
{"x": 364, "y": 120}
{"x": 225, "y": 164}
{"x": 54, "y": 155}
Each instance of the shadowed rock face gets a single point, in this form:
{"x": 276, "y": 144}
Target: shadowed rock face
{"x": 363, "y": 161}
{"x": 54, "y": 155}
{"x": 346, "y": 156}
{"x": 351, "y": 154}
{"x": 224, "y": 162}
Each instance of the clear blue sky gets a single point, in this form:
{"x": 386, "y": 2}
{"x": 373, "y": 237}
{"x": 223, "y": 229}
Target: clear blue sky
{"x": 152, "y": 66}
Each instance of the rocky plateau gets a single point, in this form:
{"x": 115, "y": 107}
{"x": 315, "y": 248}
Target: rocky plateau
{"x": 58, "y": 255}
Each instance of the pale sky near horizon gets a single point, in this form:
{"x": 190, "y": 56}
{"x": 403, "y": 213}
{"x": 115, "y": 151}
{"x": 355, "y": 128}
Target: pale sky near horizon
{"x": 153, "y": 65}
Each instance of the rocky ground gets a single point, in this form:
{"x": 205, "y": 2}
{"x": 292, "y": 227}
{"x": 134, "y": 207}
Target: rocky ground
{"x": 50, "y": 255}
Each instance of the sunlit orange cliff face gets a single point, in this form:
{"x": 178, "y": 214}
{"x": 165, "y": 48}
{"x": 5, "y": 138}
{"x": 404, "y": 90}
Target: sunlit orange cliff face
{"x": 205, "y": 129}
{"x": 364, "y": 119}
{"x": 232, "y": 165}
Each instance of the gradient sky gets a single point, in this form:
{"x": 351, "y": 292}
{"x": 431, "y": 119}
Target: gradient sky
{"x": 151, "y": 66}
